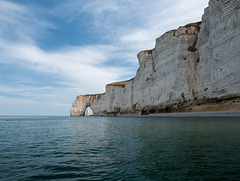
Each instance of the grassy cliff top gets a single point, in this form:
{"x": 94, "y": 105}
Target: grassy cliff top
{"x": 120, "y": 84}
{"x": 196, "y": 25}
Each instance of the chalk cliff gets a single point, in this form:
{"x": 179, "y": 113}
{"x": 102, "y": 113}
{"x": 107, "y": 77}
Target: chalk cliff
{"x": 193, "y": 68}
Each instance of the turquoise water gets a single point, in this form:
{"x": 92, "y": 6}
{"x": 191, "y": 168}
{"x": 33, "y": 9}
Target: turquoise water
{"x": 119, "y": 148}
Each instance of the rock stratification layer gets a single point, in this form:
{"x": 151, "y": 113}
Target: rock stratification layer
{"x": 193, "y": 68}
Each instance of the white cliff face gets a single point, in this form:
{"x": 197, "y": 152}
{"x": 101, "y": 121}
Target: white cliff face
{"x": 188, "y": 64}
{"x": 166, "y": 74}
{"x": 219, "y": 49}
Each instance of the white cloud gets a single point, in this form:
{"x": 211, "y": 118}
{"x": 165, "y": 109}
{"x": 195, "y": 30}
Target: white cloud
{"x": 83, "y": 69}
{"x": 19, "y": 23}
{"x": 25, "y": 107}
{"x": 133, "y": 25}
{"x": 81, "y": 65}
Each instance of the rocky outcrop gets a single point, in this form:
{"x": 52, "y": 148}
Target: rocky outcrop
{"x": 193, "y": 68}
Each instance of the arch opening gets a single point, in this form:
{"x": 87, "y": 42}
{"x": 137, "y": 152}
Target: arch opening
{"x": 88, "y": 111}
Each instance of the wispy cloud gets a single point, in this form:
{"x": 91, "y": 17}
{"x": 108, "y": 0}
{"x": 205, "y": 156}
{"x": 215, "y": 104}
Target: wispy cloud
{"x": 82, "y": 65}
{"x": 80, "y": 69}
{"x": 19, "y": 23}
{"x": 133, "y": 24}
{"x": 19, "y": 106}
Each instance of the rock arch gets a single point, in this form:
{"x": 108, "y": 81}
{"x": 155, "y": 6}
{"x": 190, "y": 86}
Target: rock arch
{"x": 88, "y": 110}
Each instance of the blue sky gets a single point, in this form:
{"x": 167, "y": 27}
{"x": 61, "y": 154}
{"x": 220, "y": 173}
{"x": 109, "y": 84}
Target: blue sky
{"x": 52, "y": 50}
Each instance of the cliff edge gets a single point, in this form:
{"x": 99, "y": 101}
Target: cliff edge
{"x": 193, "y": 68}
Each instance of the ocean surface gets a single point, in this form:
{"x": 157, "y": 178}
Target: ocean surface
{"x": 119, "y": 148}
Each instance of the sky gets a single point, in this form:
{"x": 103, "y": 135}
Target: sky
{"x": 52, "y": 50}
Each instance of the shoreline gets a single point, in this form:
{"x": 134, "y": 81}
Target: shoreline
{"x": 193, "y": 114}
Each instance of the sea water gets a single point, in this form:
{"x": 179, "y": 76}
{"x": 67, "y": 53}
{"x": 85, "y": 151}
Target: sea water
{"x": 119, "y": 148}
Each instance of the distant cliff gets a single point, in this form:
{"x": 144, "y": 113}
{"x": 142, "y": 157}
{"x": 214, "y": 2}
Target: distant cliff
{"x": 193, "y": 68}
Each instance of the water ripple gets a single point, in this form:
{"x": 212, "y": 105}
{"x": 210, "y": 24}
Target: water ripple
{"x": 120, "y": 148}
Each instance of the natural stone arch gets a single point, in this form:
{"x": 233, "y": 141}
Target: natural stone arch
{"x": 88, "y": 110}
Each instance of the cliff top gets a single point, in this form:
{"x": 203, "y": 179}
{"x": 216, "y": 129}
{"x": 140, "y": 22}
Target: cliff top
{"x": 91, "y": 95}
{"x": 148, "y": 51}
{"x": 120, "y": 84}
{"x": 196, "y": 25}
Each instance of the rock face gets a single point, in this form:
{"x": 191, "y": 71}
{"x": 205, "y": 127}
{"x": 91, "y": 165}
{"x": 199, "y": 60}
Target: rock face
{"x": 193, "y": 68}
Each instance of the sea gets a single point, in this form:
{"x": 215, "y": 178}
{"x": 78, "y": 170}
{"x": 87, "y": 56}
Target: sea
{"x": 119, "y": 148}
